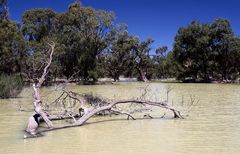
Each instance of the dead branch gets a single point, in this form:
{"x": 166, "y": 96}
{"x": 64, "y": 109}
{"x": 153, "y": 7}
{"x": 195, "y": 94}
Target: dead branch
{"x": 86, "y": 105}
{"x": 93, "y": 111}
{"x": 126, "y": 113}
{"x": 45, "y": 71}
{"x": 33, "y": 124}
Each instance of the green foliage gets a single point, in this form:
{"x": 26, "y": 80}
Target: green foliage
{"x": 83, "y": 35}
{"x": 206, "y": 51}
{"x": 165, "y": 64}
{"x": 10, "y": 85}
{"x": 142, "y": 59}
{"x": 223, "y": 45}
{"x": 38, "y": 30}
{"x": 90, "y": 45}
{"x": 192, "y": 50}
{"x": 128, "y": 56}
{"x": 120, "y": 59}
{"x": 11, "y": 47}
{"x": 38, "y": 24}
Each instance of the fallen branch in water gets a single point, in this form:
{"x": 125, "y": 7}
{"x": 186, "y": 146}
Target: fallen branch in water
{"x": 82, "y": 107}
{"x": 109, "y": 106}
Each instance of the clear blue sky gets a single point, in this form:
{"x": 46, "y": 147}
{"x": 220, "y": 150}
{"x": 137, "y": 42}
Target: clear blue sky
{"x": 159, "y": 19}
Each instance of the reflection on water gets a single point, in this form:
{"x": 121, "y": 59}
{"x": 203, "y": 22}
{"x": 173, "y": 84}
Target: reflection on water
{"x": 212, "y": 126}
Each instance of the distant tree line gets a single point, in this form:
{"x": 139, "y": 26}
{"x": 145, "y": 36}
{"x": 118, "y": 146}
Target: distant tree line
{"x": 89, "y": 45}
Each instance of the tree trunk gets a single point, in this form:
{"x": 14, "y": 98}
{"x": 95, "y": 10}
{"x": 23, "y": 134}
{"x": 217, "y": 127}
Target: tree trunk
{"x": 32, "y": 123}
{"x": 142, "y": 75}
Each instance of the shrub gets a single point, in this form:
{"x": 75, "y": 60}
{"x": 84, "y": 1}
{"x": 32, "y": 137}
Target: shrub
{"x": 10, "y": 86}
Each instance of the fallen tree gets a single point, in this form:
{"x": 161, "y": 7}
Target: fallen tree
{"x": 81, "y": 107}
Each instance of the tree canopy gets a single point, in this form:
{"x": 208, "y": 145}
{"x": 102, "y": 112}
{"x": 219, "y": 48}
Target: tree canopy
{"x": 207, "y": 51}
{"x": 90, "y": 44}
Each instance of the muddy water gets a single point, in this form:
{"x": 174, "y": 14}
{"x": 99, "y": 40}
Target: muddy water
{"x": 212, "y": 127}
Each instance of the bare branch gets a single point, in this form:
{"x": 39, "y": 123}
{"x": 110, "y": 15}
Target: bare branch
{"x": 32, "y": 125}
{"x": 120, "y": 112}
{"x": 94, "y": 111}
{"x": 45, "y": 71}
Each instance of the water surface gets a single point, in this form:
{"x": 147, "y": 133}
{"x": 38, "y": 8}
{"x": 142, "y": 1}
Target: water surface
{"x": 212, "y": 126}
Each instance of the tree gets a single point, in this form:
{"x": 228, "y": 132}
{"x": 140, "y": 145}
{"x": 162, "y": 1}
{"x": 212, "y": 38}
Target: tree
{"x": 119, "y": 58}
{"x": 83, "y": 34}
{"x": 234, "y": 59}
{"x": 222, "y": 38}
{"x": 37, "y": 28}
{"x": 192, "y": 49}
{"x": 165, "y": 65}
{"x": 11, "y": 47}
{"x": 11, "y": 52}
{"x": 142, "y": 58}
{"x": 11, "y": 43}
{"x": 159, "y": 62}
{"x": 38, "y": 24}
{"x": 206, "y": 51}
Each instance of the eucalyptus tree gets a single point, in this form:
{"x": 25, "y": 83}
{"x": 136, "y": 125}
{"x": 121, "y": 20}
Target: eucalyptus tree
{"x": 159, "y": 62}
{"x": 11, "y": 53}
{"x": 164, "y": 63}
{"x": 192, "y": 49}
{"x": 222, "y": 43}
{"x": 119, "y": 58}
{"x": 232, "y": 61}
{"x": 142, "y": 60}
{"x": 11, "y": 43}
{"x": 38, "y": 30}
{"x": 83, "y": 35}
{"x": 207, "y": 51}
{"x": 11, "y": 47}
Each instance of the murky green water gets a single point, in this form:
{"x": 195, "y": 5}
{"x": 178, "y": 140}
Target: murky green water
{"x": 212, "y": 127}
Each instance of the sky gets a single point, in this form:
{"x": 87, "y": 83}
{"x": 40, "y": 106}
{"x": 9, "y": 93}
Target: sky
{"x": 158, "y": 19}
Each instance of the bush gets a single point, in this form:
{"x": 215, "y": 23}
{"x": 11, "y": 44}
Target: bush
{"x": 10, "y": 86}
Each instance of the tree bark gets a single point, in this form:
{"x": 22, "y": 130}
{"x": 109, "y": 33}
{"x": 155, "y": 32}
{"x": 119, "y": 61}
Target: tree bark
{"x": 142, "y": 75}
{"x": 37, "y": 103}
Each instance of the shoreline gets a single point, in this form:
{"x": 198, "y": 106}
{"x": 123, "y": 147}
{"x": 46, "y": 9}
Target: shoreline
{"x": 109, "y": 81}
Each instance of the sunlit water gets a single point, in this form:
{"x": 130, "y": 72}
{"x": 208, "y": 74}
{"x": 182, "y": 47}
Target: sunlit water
{"x": 212, "y": 127}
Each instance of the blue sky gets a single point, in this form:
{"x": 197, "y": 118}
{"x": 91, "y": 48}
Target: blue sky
{"x": 158, "y": 19}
